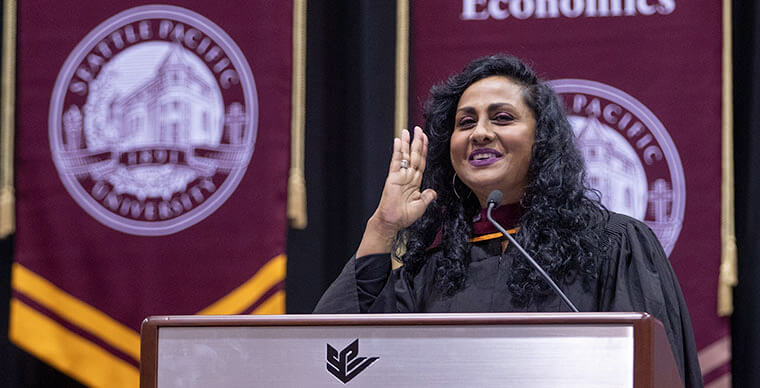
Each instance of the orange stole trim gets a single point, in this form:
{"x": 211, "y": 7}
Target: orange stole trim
{"x": 492, "y": 236}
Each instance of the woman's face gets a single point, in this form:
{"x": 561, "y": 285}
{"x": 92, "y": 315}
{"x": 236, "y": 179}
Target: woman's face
{"x": 493, "y": 137}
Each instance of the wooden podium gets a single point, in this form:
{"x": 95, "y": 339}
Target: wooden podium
{"x": 407, "y": 350}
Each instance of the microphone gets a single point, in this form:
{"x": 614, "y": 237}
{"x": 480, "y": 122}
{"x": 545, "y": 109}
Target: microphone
{"x": 494, "y": 200}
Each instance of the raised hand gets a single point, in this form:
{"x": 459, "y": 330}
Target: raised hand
{"x": 401, "y": 203}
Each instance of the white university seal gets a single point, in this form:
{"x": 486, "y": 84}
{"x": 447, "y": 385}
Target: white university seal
{"x": 630, "y": 157}
{"x": 153, "y": 120}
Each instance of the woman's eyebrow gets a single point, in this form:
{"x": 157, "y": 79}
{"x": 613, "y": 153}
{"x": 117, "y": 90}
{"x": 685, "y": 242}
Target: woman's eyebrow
{"x": 466, "y": 109}
{"x": 491, "y": 107}
{"x": 497, "y": 105}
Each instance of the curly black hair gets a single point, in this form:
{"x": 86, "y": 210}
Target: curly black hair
{"x": 563, "y": 220}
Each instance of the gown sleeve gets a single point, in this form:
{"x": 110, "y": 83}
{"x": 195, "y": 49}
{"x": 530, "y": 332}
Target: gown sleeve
{"x": 639, "y": 277}
{"x": 342, "y": 297}
{"x": 368, "y": 285}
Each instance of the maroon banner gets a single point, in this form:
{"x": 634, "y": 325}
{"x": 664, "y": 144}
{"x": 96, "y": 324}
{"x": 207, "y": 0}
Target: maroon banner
{"x": 151, "y": 159}
{"x": 642, "y": 85}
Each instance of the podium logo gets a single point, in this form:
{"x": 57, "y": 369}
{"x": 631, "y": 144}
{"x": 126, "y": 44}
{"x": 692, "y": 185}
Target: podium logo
{"x": 153, "y": 120}
{"x": 347, "y": 364}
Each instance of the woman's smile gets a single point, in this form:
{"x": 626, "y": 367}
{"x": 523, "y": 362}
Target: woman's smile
{"x": 482, "y": 157}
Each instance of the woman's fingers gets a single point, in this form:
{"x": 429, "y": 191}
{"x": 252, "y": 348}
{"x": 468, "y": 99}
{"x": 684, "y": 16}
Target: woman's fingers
{"x": 419, "y": 204}
{"x": 400, "y": 152}
{"x": 424, "y": 151}
{"x": 420, "y": 156}
{"x": 416, "y": 149}
{"x": 428, "y": 196}
{"x": 396, "y": 157}
{"x": 405, "y": 141}
{"x": 404, "y": 155}
{"x": 412, "y": 147}
{"x": 402, "y": 202}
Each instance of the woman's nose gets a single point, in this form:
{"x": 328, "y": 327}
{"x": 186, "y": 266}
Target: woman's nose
{"x": 481, "y": 134}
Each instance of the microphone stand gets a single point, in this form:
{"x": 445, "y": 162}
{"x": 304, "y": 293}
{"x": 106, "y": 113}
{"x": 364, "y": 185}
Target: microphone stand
{"x": 491, "y": 205}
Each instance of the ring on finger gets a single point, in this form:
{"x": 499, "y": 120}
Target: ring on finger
{"x": 404, "y": 163}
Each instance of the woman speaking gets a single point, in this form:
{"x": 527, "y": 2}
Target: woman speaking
{"x": 496, "y": 126}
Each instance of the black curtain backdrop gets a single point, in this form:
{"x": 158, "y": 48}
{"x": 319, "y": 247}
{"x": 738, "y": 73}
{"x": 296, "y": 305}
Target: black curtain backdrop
{"x": 746, "y": 340}
{"x": 349, "y": 130}
{"x": 349, "y": 138}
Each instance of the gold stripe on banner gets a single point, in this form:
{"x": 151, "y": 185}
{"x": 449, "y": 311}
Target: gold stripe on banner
{"x": 75, "y": 311}
{"x": 274, "y": 305}
{"x": 7, "y": 110}
{"x": 296, "y": 176}
{"x": 728, "y": 277}
{"x": 721, "y": 382}
{"x": 67, "y": 351}
{"x": 715, "y": 355}
{"x": 402, "y": 67}
{"x": 249, "y": 292}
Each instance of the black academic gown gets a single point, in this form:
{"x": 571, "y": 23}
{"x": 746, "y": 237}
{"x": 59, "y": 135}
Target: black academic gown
{"x": 635, "y": 276}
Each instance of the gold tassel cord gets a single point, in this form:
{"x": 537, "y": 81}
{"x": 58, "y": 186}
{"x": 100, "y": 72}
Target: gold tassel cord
{"x": 296, "y": 177}
{"x": 401, "y": 98}
{"x": 7, "y": 207}
{"x": 297, "y": 199}
{"x": 728, "y": 277}
{"x": 7, "y": 125}
{"x": 402, "y": 67}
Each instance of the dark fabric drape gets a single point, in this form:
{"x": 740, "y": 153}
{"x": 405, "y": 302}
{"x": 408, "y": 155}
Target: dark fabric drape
{"x": 349, "y": 134}
{"x": 746, "y": 339}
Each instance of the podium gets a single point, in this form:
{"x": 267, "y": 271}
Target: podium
{"x": 407, "y": 350}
